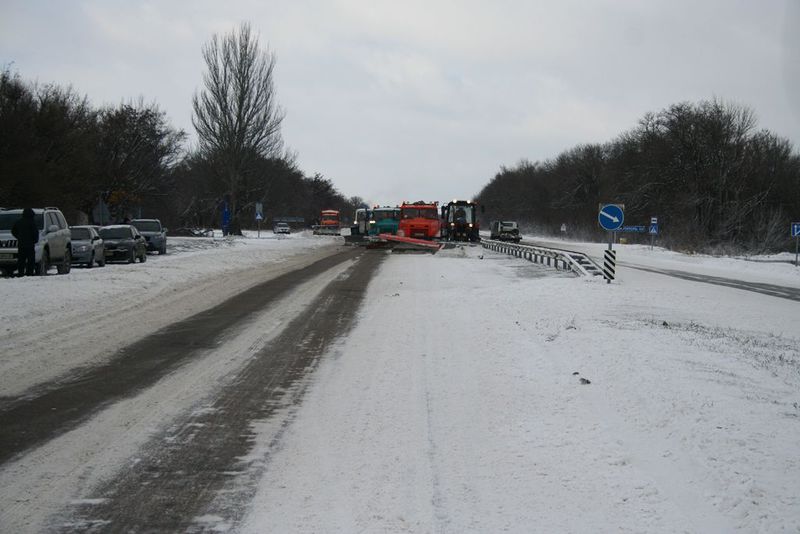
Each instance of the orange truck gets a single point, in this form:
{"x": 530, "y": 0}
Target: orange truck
{"x": 420, "y": 220}
{"x": 329, "y": 223}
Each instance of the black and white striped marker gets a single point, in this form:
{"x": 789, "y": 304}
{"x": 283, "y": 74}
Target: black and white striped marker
{"x": 609, "y": 264}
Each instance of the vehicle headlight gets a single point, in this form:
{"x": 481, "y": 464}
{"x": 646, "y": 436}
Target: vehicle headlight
{"x": 81, "y": 248}
{"x": 372, "y": 222}
{"x": 452, "y": 224}
{"x": 470, "y": 225}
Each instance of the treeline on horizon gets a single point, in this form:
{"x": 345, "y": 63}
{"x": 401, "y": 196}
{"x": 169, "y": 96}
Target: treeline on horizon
{"x": 56, "y": 149}
{"x": 715, "y": 182}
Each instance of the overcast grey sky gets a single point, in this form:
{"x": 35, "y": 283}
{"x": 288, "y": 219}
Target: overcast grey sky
{"x": 411, "y": 99}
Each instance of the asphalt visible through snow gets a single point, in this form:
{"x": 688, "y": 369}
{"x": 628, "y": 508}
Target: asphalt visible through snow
{"x": 57, "y": 407}
{"x": 791, "y": 293}
{"x": 184, "y": 476}
{"x": 785, "y": 292}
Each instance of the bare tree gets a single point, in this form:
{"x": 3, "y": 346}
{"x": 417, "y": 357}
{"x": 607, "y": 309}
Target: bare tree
{"x": 236, "y": 115}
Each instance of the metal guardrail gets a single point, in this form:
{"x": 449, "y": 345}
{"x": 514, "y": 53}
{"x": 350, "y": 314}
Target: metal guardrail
{"x": 577, "y": 262}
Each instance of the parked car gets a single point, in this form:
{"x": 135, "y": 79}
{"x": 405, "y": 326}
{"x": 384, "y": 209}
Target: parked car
{"x": 123, "y": 242}
{"x": 87, "y": 246}
{"x": 54, "y": 246}
{"x": 154, "y": 234}
{"x": 281, "y": 228}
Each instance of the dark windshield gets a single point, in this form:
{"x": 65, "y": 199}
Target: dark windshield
{"x": 147, "y": 226}
{"x": 425, "y": 213}
{"x": 7, "y": 219}
{"x": 115, "y": 233}
{"x": 462, "y": 214}
{"x": 385, "y": 214}
{"x": 80, "y": 233}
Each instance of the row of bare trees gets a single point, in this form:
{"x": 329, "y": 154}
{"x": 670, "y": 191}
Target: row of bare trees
{"x": 57, "y": 149}
{"x": 715, "y": 181}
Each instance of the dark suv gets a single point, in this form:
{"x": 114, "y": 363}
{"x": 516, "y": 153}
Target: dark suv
{"x": 54, "y": 246}
{"x": 153, "y": 232}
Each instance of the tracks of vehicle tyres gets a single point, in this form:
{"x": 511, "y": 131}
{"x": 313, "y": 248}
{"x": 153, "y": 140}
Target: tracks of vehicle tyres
{"x": 772, "y": 290}
{"x": 58, "y": 406}
{"x": 185, "y": 475}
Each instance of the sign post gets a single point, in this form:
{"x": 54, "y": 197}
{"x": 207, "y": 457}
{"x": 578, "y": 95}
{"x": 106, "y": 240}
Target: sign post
{"x": 259, "y": 216}
{"x": 796, "y": 236}
{"x": 653, "y": 230}
{"x": 611, "y": 217}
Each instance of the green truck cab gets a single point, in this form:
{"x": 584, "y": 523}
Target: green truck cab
{"x": 384, "y": 220}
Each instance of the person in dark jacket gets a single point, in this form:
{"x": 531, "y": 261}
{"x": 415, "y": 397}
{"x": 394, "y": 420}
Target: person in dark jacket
{"x": 27, "y": 235}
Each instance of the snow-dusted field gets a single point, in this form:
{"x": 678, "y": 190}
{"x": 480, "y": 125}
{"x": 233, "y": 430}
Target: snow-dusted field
{"x": 456, "y": 404}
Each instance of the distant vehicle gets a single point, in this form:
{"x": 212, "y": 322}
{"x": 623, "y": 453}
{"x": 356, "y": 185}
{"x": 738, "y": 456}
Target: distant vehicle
{"x": 123, "y": 242}
{"x": 420, "y": 220}
{"x": 87, "y": 246}
{"x": 384, "y": 220}
{"x": 460, "y": 220}
{"x": 504, "y": 231}
{"x": 54, "y": 246}
{"x": 154, "y": 234}
{"x": 360, "y": 222}
{"x": 329, "y": 223}
{"x": 281, "y": 228}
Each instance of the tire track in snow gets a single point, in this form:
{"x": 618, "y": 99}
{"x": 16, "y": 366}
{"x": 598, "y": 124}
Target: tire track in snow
{"x": 209, "y": 456}
{"x": 56, "y": 407}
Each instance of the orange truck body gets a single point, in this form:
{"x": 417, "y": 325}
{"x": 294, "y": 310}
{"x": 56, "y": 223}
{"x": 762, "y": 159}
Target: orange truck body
{"x": 329, "y": 223}
{"x": 420, "y": 220}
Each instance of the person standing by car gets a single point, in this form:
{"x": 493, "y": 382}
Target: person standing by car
{"x": 27, "y": 235}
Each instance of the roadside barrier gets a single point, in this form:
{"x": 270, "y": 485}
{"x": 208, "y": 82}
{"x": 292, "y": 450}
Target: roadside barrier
{"x": 577, "y": 262}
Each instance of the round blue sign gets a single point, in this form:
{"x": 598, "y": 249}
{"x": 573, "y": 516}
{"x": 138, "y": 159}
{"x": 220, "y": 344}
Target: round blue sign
{"x": 611, "y": 217}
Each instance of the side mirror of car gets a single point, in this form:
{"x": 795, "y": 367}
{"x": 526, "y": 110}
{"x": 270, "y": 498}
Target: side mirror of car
{"x": 95, "y": 238}
{"x": 52, "y": 228}
{"x": 164, "y": 230}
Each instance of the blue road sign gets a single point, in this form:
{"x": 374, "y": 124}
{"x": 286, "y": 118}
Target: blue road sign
{"x": 611, "y": 217}
{"x": 796, "y": 229}
{"x": 654, "y": 229}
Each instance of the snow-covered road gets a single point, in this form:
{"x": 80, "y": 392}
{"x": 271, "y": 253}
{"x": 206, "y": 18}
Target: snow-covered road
{"x": 452, "y": 402}
{"x": 455, "y": 407}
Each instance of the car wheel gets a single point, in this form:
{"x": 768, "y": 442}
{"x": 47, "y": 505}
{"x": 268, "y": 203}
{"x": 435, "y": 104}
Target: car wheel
{"x": 132, "y": 257}
{"x": 144, "y": 257}
{"x": 102, "y": 262}
{"x": 91, "y": 262}
{"x": 44, "y": 264}
{"x": 66, "y": 265}
{"x": 163, "y": 250}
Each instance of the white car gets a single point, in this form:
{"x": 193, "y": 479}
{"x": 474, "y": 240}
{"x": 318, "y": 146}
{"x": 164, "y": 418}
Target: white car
{"x": 281, "y": 228}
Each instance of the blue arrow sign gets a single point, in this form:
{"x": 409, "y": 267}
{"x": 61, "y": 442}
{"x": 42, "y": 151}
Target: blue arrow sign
{"x": 796, "y": 229}
{"x": 654, "y": 229}
{"x": 611, "y": 217}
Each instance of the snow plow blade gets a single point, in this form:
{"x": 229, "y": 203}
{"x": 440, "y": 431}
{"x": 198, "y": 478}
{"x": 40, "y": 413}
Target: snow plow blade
{"x": 406, "y": 243}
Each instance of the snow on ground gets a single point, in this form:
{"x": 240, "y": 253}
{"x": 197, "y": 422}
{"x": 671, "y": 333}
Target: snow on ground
{"x": 49, "y": 325}
{"x": 456, "y": 405}
{"x": 776, "y": 269}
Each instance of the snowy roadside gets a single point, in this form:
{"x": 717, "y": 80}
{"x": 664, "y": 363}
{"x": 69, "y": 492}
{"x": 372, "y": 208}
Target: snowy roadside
{"x": 52, "y": 324}
{"x": 773, "y": 269}
{"x": 473, "y": 420}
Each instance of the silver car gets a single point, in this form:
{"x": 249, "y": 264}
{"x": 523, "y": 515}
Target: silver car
{"x": 54, "y": 246}
{"x": 87, "y": 246}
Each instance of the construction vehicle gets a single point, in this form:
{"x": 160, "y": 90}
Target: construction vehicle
{"x": 328, "y": 223}
{"x": 460, "y": 221}
{"x": 361, "y": 222}
{"x": 420, "y": 220}
{"x": 504, "y": 231}
{"x": 384, "y": 220}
